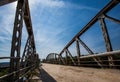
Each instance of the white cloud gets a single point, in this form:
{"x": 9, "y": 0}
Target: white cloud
{"x": 7, "y": 17}
{"x": 58, "y": 3}
{"x": 48, "y": 3}
{"x": 47, "y": 41}
{"x": 80, "y": 6}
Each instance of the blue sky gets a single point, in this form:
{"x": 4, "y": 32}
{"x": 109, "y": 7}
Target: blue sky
{"x": 56, "y": 22}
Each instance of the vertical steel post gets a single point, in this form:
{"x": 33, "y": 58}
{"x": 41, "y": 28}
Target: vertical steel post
{"x": 62, "y": 60}
{"x": 60, "y": 57}
{"x": 66, "y": 57}
{"x": 16, "y": 40}
{"x": 78, "y": 50}
{"x": 55, "y": 59}
{"x": 107, "y": 39}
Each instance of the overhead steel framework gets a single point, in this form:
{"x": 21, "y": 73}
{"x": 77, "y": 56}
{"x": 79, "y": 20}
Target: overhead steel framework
{"x": 100, "y": 17}
{"x": 19, "y": 67}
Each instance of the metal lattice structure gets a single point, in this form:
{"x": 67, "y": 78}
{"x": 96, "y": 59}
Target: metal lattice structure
{"x": 52, "y": 57}
{"x": 93, "y": 59}
{"x": 19, "y": 67}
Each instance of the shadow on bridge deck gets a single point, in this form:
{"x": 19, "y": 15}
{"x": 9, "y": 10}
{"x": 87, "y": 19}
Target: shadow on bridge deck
{"x": 45, "y": 77}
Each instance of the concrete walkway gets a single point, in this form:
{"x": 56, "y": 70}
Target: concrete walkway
{"x": 61, "y": 73}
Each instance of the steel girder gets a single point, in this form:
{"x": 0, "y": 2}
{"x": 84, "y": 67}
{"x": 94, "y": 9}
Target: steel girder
{"x": 28, "y": 53}
{"x": 22, "y": 13}
{"x": 99, "y": 17}
{"x": 30, "y": 58}
{"x": 107, "y": 39}
{"x": 16, "y": 40}
{"x": 70, "y": 55}
{"x": 107, "y": 8}
{"x": 89, "y": 51}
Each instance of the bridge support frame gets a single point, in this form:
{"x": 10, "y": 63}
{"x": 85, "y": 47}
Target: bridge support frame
{"x": 96, "y": 59}
{"x": 107, "y": 39}
{"x": 16, "y": 40}
{"x": 70, "y": 55}
{"x": 28, "y": 52}
{"x": 16, "y": 71}
{"x": 66, "y": 57}
{"x": 78, "y": 51}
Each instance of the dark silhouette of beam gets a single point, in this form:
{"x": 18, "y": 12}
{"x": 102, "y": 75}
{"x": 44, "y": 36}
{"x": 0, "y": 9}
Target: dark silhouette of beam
{"x": 4, "y": 2}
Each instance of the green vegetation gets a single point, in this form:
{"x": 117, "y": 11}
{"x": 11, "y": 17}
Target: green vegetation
{"x": 3, "y": 72}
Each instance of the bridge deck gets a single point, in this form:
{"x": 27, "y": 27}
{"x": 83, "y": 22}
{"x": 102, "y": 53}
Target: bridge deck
{"x": 60, "y": 73}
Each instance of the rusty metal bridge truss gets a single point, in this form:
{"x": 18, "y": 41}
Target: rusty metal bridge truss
{"x": 20, "y": 66}
{"x": 106, "y": 59}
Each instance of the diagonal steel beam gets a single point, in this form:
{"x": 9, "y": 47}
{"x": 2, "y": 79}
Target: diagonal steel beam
{"x": 112, "y": 19}
{"x": 60, "y": 57}
{"x": 28, "y": 23}
{"x": 90, "y": 52}
{"x": 85, "y": 46}
{"x": 107, "y": 8}
{"x": 25, "y": 52}
{"x": 4, "y": 2}
{"x": 71, "y": 56}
